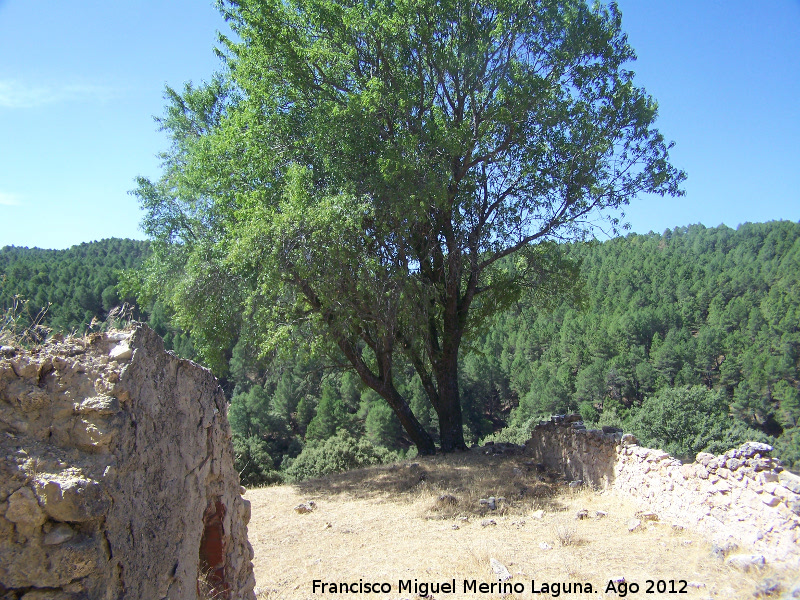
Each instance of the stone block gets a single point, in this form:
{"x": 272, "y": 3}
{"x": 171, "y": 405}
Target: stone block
{"x": 121, "y": 352}
{"x": 109, "y": 473}
{"x": 100, "y": 405}
{"x": 59, "y": 534}
{"x": 790, "y": 481}
{"x": 24, "y": 511}
{"x": 703, "y": 458}
{"x": 733, "y": 463}
{"x": 73, "y": 499}
{"x": 750, "y": 449}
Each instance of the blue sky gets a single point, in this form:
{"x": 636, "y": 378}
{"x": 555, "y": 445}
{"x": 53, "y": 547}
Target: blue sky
{"x": 80, "y": 82}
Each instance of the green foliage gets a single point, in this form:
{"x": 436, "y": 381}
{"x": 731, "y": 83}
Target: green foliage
{"x": 339, "y": 453}
{"x": 380, "y": 425}
{"x": 261, "y": 437}
{"x": 254, "y": 462}
{"x": 719, "y": 308}
{"x": 788, "y": 447}
{"x": 514, "y": 434}
{"x": 331, "y": 415}
{"x": 712, "y": 307}
{"x": 306, "y": 411}
{"x": 588, "y": 412}
{"x": 546, "y": 395}
{"x": 175, "y": 339}
{"x": 607, "y": 360}
{"x": 355, "y": 177}
{"x": 87, "y": 287}
{"x": 250, "y": 414}
{"x": 685, "y": 421}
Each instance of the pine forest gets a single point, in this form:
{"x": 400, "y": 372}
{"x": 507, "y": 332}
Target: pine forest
{"x": 690, "y": 339}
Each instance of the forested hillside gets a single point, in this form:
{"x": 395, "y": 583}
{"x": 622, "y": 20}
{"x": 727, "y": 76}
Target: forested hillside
{"x": 79, "y": 283}
{"x": 690, "y": 339}
{"x": 68, "y": 289}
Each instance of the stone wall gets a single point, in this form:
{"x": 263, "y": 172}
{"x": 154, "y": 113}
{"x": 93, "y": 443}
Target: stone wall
{"x": 116, "y": 475}
{"x": 743, "y": 496}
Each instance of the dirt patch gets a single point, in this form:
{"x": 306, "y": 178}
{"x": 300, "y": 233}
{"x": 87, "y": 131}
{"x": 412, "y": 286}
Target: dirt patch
{"x": 388, "y": 524}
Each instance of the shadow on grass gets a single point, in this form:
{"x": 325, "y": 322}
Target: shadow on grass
{"x": 455, "y": 484}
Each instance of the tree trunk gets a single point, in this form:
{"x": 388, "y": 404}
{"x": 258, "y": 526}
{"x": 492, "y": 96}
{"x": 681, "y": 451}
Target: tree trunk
{"x": 422, "y": 440}
{"x": 385, "y": 388}
{"x": 451, "y": 426}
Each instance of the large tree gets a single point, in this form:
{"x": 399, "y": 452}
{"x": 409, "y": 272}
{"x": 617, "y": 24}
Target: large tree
{"x": 358, "y": 174}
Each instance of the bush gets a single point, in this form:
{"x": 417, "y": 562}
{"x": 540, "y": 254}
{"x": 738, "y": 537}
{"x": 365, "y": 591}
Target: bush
{"x": 788, "y": 448}
{"x": 335, "y": 455}
{"x": 589, "y": 413}
{"x": 513, "y": 434}
{"x": 685, "y": 421}
{"x": 253, "y": 462}
{"x": 381, "y": 425}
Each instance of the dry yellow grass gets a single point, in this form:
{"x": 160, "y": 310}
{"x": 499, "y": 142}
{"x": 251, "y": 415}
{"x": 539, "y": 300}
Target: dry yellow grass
{"x": 387, "y": 524}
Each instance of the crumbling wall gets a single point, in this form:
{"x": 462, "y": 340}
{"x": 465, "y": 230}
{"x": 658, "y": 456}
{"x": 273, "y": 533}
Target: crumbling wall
{"x": 743, "y": 495}
{"x": 116, "y": 475}
{"x": 586, "y": 456}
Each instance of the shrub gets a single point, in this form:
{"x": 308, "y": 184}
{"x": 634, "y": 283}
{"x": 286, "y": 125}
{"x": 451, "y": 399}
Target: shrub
{"x": 253, "y": 462}
{"x": 336, "y": 454}
{"x": 685, "y": 421}
{"x": 589, "y": 413}
{"x": 788, "y": 448}
{"x": 381, "y": 425}
{"x": 514, "y": 434}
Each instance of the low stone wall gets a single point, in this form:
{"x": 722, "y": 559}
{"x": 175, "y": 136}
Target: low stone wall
{"x": 743, "y": 495}
{"x": 116, "y": 475}
{"x": 564, "y": 445}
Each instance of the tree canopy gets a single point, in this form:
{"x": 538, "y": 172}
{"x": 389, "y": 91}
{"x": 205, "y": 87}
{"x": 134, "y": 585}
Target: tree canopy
{"x": 356, "y": 175}
{"x": 665, "y": 313}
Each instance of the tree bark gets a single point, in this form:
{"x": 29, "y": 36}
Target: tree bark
{"x": 448, "y": 407}
{"x": 384, "y": 386}
{"x": 421, "y": 439}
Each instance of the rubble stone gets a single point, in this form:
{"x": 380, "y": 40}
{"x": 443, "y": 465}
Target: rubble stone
{"x": 742, "y": 495}
{"x": 116, "y": 474}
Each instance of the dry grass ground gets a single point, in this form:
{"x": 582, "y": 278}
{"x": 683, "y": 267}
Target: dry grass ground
{"x": 387, "y": 524}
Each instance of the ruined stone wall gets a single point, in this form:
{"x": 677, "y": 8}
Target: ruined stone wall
{"x": 116, "y": 475}
{"x": 743, "y": 495}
